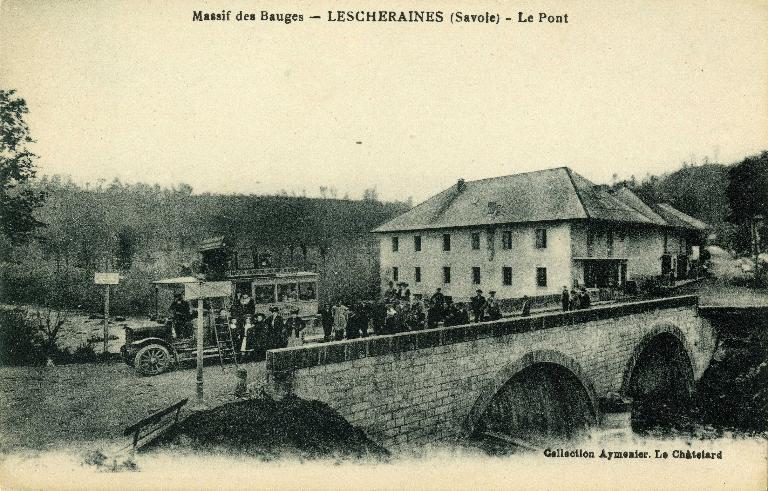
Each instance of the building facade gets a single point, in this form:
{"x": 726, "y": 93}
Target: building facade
{"x": 531, "y": 234}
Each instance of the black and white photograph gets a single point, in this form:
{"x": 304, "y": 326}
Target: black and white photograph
{"x": 347, "y": 245}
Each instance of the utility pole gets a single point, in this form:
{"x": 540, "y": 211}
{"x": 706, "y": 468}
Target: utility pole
{"x": 106, "y": 279}
{"x": 200, "y": 334}
{"x": 106, "y": 319}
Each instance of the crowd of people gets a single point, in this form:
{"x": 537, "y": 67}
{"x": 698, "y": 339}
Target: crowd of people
{"x": 397, "y": 311}
{"x": 253, "y": 333}
{"x": 575, "y": 299}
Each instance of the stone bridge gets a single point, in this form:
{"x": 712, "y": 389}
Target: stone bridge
{"x": 545, "y": 372}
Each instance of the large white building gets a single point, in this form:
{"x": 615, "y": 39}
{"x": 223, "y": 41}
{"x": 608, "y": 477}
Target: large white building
{"x": 533, "y": 233}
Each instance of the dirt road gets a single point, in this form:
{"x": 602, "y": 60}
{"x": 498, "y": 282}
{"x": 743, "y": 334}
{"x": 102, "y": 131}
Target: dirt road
{"x": 45, "y": 407}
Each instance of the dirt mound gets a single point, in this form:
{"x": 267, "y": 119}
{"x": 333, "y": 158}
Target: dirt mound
{"x": 269, "y": 429}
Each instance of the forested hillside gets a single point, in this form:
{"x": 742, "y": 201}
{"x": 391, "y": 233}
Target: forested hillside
{"x": 700, "y": 191}
{"x": 148, "y": 232}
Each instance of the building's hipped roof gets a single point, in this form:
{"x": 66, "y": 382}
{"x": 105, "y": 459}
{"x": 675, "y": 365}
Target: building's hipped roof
{"x": 635, "y": 202}
{"x": 677, "y": 218}
{"x": 601, "y": 204}
{"x": 546, "y": 195}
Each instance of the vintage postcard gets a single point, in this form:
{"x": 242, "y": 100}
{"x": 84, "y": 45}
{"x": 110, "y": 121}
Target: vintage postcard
{"x": 250, "y": 244}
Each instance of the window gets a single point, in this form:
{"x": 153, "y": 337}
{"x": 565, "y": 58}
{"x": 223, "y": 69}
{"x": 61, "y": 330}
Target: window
{"x": 307, "y": 291}
{"x": 417, "y": 274}
{"x": 506, "y": 275}
{"x": 475, "y": 241}
{"x": 541, "y": 276}
{"x": 395, "y": 274}
{"x": 417, "y": 243}
{"x": 541, "y": 238}
{"x": 395, "y": 244}
{"x": 287, "y": 293}
{"x": 506, "y": 240}
{"x": 446, "y": 274}
{"x": 263, "y": 294}
{"x": 475, "y": 275}
{"x": 446, "y": 242}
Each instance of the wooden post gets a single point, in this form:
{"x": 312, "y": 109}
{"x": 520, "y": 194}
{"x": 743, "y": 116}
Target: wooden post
{"x": 106, "y": 319}
{"x": 200, "y": 333}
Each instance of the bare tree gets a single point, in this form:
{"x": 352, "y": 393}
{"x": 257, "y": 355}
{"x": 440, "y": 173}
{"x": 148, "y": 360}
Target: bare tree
{"x": 49, "y": 324}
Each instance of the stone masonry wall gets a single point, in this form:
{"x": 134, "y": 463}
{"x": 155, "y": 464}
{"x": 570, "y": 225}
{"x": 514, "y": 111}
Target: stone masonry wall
{"x": 431, "y": 385}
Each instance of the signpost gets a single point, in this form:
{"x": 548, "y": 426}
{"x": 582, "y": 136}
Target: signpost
{"x": 199, "y": 291}
{"x": 106, "y": 279}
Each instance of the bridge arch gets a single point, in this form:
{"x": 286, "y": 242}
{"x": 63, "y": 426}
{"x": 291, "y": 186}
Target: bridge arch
{"x": 657, "y": 335}
{"x": 527, "y": 361}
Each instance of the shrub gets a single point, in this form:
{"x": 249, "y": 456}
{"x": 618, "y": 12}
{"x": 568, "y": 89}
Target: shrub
{"x": 18, "y": 341}
{"x": 82, "y": 354}
{"x": 32, "y": 339}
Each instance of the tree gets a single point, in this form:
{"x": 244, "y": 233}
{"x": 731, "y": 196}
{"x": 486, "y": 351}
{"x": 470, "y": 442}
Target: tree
{"x": 127, "y": 246}
{"x": 748, "y": 196}
{"x": 370, "y": 194}
{"x": 17, "y": 167}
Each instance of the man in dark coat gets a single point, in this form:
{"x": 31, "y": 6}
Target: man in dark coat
{"x": 434, "y": 315}
{"x": 181, "y": 316}
{"x": 275, "y": 329}
{"x": 492, "y": 307}
{"x": 326, "y": 319}
{"x": 462, "y": 316}
{"x": 292, "y": 331}
{"x": 449, "y": 316}
{"x": 477, "y": 304}
{"x": 353, "y": 322}
{"x": 438, "y": 298}
{"x": 379, "y": 316}
{"x": 584, "y": 298}
{"x": 258, "y": 337}
{"x": 565, "y": 299}
{"x": 365, "y": 312}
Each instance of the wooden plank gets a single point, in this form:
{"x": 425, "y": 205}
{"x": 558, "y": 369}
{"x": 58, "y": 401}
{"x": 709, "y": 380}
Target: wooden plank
{"x": 154, "y": 417}
{"x": 512, "y": 440}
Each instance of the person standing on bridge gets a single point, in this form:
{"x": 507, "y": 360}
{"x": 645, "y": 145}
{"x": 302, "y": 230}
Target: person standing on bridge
{"x": 462, "y": 316}
{"x": 326, "y": 318}
{"x": 340, "y": 319}
{"x": 565, "y": 299}
{"x": 294, "y": 327}
{"x": 478, "y": 305}
{"x": 275, "y": 326}
{"x": 584, "y": 300}
{"x": 573, "y": 300}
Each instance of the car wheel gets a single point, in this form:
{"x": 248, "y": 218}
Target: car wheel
{"x": 152, "y": 359}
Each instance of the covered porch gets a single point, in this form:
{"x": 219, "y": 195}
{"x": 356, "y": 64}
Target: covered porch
{"x": 600, "y": 272}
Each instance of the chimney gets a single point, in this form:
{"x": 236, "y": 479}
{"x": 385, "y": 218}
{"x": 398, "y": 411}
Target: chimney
{"x": 461, "y": 186}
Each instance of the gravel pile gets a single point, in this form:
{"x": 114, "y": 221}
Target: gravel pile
{"x": 266, "y": 428}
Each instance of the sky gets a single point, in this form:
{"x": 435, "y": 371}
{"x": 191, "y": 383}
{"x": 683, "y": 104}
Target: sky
{"x": 138, "y": 91}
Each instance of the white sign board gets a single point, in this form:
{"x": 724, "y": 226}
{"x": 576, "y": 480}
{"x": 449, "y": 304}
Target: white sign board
{"x": 106, "y": 278}
{"x": 210, "y": 289}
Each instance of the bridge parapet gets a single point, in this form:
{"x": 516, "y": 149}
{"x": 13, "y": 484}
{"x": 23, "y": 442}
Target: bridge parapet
{"x": 296, "y": 358}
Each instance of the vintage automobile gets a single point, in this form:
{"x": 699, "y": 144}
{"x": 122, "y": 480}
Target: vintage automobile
{"x": 157, "y": 347}
{"x": 161, "y": 345}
